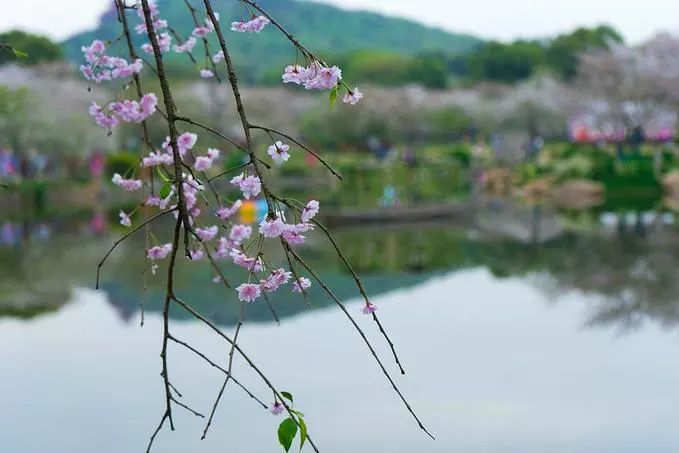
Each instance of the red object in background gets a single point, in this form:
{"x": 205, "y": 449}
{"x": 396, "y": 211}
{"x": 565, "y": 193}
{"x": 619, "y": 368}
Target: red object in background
{"x": 98, "y": 223}
{"x": 97, "y": 164}
{"x": 311, "y": 160}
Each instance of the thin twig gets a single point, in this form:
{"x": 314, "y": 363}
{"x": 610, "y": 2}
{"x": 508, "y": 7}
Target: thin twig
{"x": 301, "y": 145}
{"x": 264, "y": 378}
{"x": 122, "y": 239}
{"x": 207, "y": 359}
{"x": 365, "y": 339}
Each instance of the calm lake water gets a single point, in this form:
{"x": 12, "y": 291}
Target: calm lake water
{"x": 521, "y": 330}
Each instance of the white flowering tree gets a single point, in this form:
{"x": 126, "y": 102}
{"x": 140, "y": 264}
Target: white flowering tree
{"x": 625, "y": 87}
{"x": 176, "y": 183}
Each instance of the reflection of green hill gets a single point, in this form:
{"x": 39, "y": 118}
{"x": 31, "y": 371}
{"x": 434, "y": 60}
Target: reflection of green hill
{"x": 634, "y": 269}
{"x": 212, "y": 301}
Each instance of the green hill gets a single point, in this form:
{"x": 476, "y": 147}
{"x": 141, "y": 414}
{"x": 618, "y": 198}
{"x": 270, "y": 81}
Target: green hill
{"x": 326, "y": 29}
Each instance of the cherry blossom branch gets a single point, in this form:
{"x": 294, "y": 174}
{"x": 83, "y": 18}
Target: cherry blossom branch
{"x": 301, "y": 145}
{"x": 249, "y": 361}
{"x": 355, "y": 277}
{"x": 362, "y": 334}
{"x": 230, "y": 365}
{"x": 127, "y": 235}
{"x": 214, "y": 365}
{"x": 206, "y": 44}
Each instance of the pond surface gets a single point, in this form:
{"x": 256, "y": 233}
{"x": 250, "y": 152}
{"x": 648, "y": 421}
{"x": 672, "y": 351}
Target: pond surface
{"x": 521, "y": 330}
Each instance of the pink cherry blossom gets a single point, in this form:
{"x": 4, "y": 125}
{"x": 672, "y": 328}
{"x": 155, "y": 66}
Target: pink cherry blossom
{"x": 322, "y": 78}
{"x": 213, "y": 153}
{"x": 224, "y": 246}
{"x": 369, "y": 308}
{"x": 250, "y": 186}
{"x": 159, "y": 252}
{"x": 186, "y": 142}
{"x": 310, "y": 210}
{"x": 201, "y": 32}
{"x": 125, "y": 219}
{"x": 206, "y": 73}
{"x": 101, "y": 67}
{"x": 301, "y": 285}
{"x": 106, "y": 120}
{"x": 203, "y": 163}
{"x": 187, "y": 46}
{"x": 240, "y": 233}
{"x": 207, "y": 234}
{"x": 248, "y": 292}
{"x": 156, "y": 158}
{"x": 294, "y": 74}
{"x": 219, "y": 56}
{"x": 255, "y": 25}
{"x": 241, "y": 259}
{"x": 196, "y": 255}
{"x": 293, "y": 233}
{"x": 128, "y": 184}
{"x": 135, "y": 112}
{"x": 225, "y": 213}
{"x": 277, "y": 408}
{"x": 275, "y": 280}
{"x": 122, "y": 69}
{"x": 152, "y": 200}
{"x": 272, "y": 228}
{"x": 279, "y": 152}
{"x": 352, "y": 97}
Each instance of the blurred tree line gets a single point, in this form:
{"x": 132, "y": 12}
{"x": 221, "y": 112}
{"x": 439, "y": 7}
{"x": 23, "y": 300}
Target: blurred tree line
{"x": 491, "y": 62}
{"x": 36, "y": 48}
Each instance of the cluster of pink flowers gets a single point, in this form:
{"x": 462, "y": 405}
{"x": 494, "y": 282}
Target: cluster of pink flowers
{"x": 203, "y": 30}
{"x": 128, "y": 111}
{"x": 187, "y": 46}
{"x": 101, "y": 67}
{"x": 250, "y": 186}
{"x": 127, "y": 184}
{"x": 279, "y": 152}
{"x": 207, "y": 234}
{"x": 255, "y": 25}
{"x": 159, "y": 26}
{"x": 236, "y": 239}
{"x": 247, "y": 262}
{"x": 249, "y": 292}
{"x": 156, "y": 158}
{"x": 131, "y": 111}
{"x": 159, "y": 252}
{"x": 225, "y": 213}
{"x": 315, "y": 77}
{"x": 203, "y": 163}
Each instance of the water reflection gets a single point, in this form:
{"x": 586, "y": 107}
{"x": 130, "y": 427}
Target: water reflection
{"x": 628, "y": 260}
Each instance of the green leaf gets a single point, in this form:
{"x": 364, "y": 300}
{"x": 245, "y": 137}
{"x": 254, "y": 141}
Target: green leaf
{"x": 287, "y": 432}
{"x": 302, "y": 433}
{"x": 19, "y": 53}
{"x": 165, "y": 190}
{"x": 333, "y": 97}
{"x": 163, "y": 175}
{"x": 288, "y": 396}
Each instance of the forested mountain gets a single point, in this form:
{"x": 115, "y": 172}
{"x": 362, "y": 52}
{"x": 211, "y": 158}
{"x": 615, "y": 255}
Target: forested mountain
{"x": 327, "y": 29}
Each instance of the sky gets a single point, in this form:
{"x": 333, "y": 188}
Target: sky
{"x": 496, "y": 19}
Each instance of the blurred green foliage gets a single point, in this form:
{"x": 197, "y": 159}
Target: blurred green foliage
{"x": 38, "y": 49}
{"x": 519, "y": 60}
